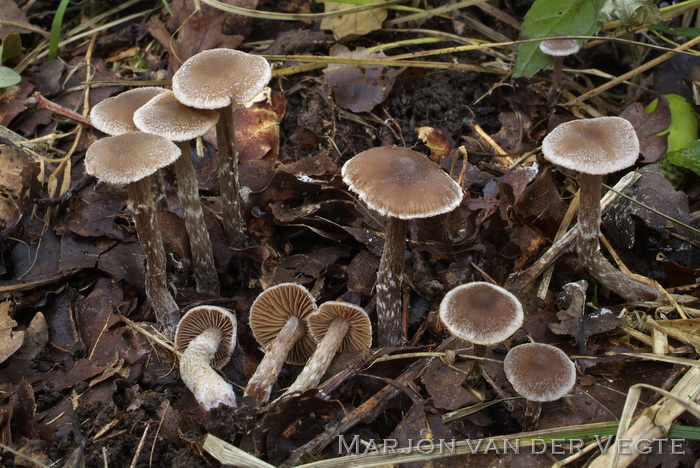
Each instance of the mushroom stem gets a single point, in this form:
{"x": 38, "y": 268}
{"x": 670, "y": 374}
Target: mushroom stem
{"x": 389, "y": 277}
{"x": 202, "y": 254}
{"x": 589, "y": 249}
{"x": 531, "y": 418}
{"x": 318, "y": 363}
{"x": 228, "y": 177}
{"x": 557, "y": 75}
{"x": 260, "y": 384}
{"x": 143, "y": 206}
{"x": 477, "y": 366}
{"x": 207, "y": 386}
{"x": 158, "y": 189}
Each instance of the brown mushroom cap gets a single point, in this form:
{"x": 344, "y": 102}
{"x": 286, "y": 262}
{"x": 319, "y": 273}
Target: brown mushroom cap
{"x": 215, "y": 78}
{"x": 115, "y": 115}
{"x": 598, "y": 146}
{"x": 359, "y": 334}
{"x": 201, "y": 318}
{"x": 164, "y": 115}
{"x": 539, "y": 372}
{"x": 558, "y": 47}
{"x": 270, "y": 312}
{"x": 481, "y": 313}
{"x": 402, "y": 183}
{"x": 129, "y": 157}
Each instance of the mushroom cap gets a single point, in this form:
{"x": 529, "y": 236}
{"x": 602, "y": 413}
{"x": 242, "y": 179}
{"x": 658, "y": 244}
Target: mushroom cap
{"x": 481, "y": 313}
{"x": 129, "y": 157}
{"x": 115, "y": 115}
{"x": 164, "y": 115}
{"x": 400, "y": 182}
{"x": 359, "y": 335}
{"x": 201, "y": 318}
{"x": 558, "y": 47}
{"x": 271, "y": 310}
{"x": 598, "y": 146}
{"x": 215, "y": 78}
{"x": 539, "y": 372}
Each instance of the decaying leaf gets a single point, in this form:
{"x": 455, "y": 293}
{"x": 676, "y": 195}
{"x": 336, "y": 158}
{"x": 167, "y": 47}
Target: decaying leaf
{"x": 358, "y": 88}
{"x": 36, "y": 337}
{"x": 647, "y": 125}
{"x": 10, "y": 341}
{"x": 630, "y": 12}
{"x": 258, "y": 130}
{"x": 440, "y": 144}
{"x": 352, "y": 25}
{"x": 15, "y": 181}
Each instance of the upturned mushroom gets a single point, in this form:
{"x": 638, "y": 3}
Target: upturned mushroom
{"x": 539, "y": 373}
{"x": 206, "y": 336}
{"x": 336, "y": 327}
{"x": 223, "y": 79}
{"x": 483, "y": 314}
{"x": 400, "y": 184}
{"x": 129, "y": 159}
{"x": 593, "y": 148}
{"x": 278, "y": 321}
{"x": 166, "y": 116}
{"x": 559, "y": 48}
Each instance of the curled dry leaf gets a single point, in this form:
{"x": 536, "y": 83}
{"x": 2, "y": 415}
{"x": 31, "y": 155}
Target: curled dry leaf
{"x": 440, "y": 143}
{"x": 258, "y": 130}
{"x": 15, "y": 181}
{"x": 359, "y": 88}
{"x": 647, "y": 125}
{"x": 9, "y": 341}
{"x": 352, "y": 25}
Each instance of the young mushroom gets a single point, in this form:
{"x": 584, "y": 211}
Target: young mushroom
{"x": 130, "y": 159}
{"x": 223, "y": 79}
{"x": 206, "y": 336}
{"x": 278, "y": 321}
{"x": 166, "y": 116}
{"x": 593, "y": 148}
{"x": 400, "y": 184}
{"x": 558, "y": 48}
{"x": 336, "y": 327}
{"x": 538, "y": 372}
{"x": 483, "y": 314}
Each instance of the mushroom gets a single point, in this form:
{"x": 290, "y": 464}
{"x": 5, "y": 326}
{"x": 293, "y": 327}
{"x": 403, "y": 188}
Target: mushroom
{"x": 223, "y": 79}
{"x": 335, "y": 326}
{"x": 166, "y": 116}
{"x": 483, "y": 314}
{"x": 277, "y": 319}
{"x": 538, "y": 372}
{"x": 400, "y": 184}
{"x": 558, "y": 48}
{"x": 206, "y": 336}
{"x": 130, "y": 159}
{"x": 595, "y": 147}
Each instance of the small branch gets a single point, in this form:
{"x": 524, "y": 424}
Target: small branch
{"x": 41, "y": 102}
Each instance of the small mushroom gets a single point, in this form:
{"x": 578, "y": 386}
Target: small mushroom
{"x": 595, "y": 147}
{"x": 336, "y": 327}
{"x": 400, "y": 184}
{"x": 277, "y": 319}
{"x": 166, "y": 116}
{"x": 223, "y": 79}
{"x": 130, "y": 159}
{"x": 558, "y": 48}
{"x": 483, "y": 314}
{"x": 206, "y": 336}
{"x": 538, "y": 372}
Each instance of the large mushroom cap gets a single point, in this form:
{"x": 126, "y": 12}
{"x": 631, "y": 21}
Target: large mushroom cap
{"x": 164, "y": 115}
{"x": 359, "y": 334}
{"x": 539, "y": 372}
{"x": 129, "y": 157}
{"x": 481, "y": 313}
{"x": 402, "y": 183}
{"x": 602, "y": 145}
{"x": 201, "y": 318}
{"x": 271, "y": 310}
{"x": 558, "y": 47}
{"x": 115, "y": 115}
{"x": 215, "y": 78}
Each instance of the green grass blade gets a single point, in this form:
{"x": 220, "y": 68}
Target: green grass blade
{"x": 56, "y": 29}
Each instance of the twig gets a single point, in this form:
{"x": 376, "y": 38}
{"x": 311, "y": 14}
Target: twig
{"x": 42, "y": 103}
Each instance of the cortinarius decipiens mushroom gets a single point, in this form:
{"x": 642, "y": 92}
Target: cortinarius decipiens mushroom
{"x": 558, "y": 48}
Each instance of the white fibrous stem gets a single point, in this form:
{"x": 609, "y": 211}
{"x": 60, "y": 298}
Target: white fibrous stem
{"x": 588, "y": 246}
{"x": 143, "y": 206}
{"x": 531, "y": 418}
{"x": 207, "y": 386}
{"x": 389, "y": 278}
{"x": 228, "y": 178}
{"x": 317, "y": 365}
{"x": 202, "y": 254}
{"x": 260, "y": 384}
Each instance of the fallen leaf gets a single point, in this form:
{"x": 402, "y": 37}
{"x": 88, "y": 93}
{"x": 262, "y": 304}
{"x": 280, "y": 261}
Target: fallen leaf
{"x": 10, "y": 341}
{"x": 647, "y": 125}
{"x": 36, "y": 337}
{"x": 444, "y": 385}
{"x": 440, "y": 144}
{"x": 11, "y": 13}
{"x": 352, "y": 25}
{"x": 258, "y": 130}
{"x": 16, "y": 178}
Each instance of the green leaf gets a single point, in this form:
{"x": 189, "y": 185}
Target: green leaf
{"x": 11, "y": 46}
{"x": 690, "y": 33}
{"x": 550, "y": 17}
{"x": 8, "y": 77}
{"x": 687, "y": 157}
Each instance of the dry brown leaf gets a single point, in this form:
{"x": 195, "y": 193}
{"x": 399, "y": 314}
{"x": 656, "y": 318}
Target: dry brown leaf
{"x": 258, "y": 130}
{"x": 440, "y": 144}
{"x": 15, "y": 180}
{"x": 353, "y": 25}
{"x": 9, "y": 341}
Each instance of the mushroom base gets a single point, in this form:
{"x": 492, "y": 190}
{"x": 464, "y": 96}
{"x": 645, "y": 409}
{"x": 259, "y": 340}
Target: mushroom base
{"x": 389, "y": 278}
